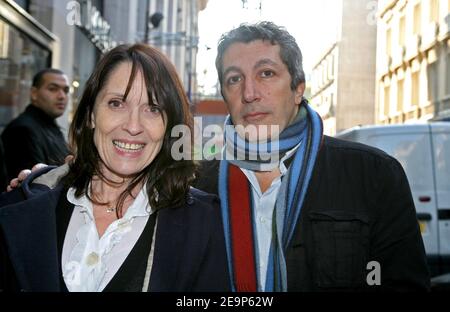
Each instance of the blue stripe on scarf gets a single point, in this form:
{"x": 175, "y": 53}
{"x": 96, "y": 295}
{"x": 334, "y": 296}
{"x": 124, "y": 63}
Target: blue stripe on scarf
{"x": 316, "y": 132}
{"x": 223, "y": 195}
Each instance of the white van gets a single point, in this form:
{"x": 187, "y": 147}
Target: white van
{"x": 424, "y": 152}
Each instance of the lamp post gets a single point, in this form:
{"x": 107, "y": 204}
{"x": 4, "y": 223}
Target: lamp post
{"x": 154, "y": 19}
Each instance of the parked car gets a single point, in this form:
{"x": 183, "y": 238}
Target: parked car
{"x": 424, "y": 152}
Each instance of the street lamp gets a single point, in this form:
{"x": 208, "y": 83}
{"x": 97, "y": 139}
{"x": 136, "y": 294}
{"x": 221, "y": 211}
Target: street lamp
{"x": 155, "y": 19}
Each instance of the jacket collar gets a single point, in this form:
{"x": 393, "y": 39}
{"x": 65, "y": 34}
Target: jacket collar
{"x": 30, "y": 233}
{"x": 169, "y": 238}
{"x": 39, "y": 114}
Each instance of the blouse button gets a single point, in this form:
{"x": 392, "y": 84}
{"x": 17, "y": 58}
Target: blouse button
{"x": 92, "y": 258}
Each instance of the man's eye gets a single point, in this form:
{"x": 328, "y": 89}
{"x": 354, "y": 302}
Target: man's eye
{"x": 267, "y": 73}
{"x": 233, "y": 79}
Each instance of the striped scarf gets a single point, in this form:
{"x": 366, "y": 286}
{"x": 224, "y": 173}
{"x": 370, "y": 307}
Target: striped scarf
{"x": 236, "y": 200}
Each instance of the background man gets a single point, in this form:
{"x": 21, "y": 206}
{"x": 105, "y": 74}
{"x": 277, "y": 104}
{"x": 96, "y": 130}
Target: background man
{"x": 34, "y": 136}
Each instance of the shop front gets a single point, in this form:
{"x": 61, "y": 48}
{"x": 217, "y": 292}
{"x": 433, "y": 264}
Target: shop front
{"x": 25, "y": 47}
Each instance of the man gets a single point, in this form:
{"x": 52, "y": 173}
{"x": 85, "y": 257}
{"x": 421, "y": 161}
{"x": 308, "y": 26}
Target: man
{"x": 329, "y": 210}
{"x": 34, "y": 136}
{"x": 319, "y": 215}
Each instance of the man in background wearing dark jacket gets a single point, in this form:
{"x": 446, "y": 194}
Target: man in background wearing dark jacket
{"x": 34, "y": 136}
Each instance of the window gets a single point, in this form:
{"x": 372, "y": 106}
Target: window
{"x": 417, "y": 19}
{"x": 42, "y": 11}
{"x": 389, "y": 41}
{"x": 387, "y": 95}
{"x": 25, "y": 4}
{"x": 400, "y": 100}
{"x": 434, "y": 10}
{"x": 401, "y": 31}
{"x": 332, "y": 66}
{"x": 20, "y": 59}
{"x": 415, "y": 95}
{"x": 448, "y": 73}
{"x": 432, "y": 72}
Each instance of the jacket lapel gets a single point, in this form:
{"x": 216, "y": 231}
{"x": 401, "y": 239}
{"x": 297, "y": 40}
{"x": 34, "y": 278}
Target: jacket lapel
{"x": 169, "y": 243}
{"x": 30, "y": 234}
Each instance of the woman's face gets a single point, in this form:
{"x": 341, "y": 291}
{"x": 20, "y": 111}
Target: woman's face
{"x": 128, "y": 134}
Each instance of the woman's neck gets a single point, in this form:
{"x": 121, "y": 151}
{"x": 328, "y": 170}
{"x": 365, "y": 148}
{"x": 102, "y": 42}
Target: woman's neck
{"x": 108, "y": 193}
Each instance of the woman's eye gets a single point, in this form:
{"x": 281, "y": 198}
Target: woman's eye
{"x": 153, "y": 109}
{"x": 115, "y": 104}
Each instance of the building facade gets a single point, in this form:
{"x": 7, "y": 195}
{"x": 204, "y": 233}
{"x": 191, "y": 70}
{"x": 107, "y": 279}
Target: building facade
{"x": 343, "y": 79}
{"x": 413, "y": 61}
{"x": 35, "y": 34}
{"x": 177, "y": 36}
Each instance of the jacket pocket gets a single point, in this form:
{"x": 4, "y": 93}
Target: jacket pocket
{"x": 340, "y": 249}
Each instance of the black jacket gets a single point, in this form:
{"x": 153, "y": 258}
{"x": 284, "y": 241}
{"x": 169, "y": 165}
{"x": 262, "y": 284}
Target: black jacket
{"x": 358, "y": 209}
{"x": 3, "y": 174}
{"x": 32, "y": 138}
{"x": 189, "y": 250}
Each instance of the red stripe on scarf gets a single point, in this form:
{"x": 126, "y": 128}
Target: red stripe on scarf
{"x": 241, "y": 230}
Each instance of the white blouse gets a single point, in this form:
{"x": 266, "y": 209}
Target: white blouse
{"x": 89, "y": 262}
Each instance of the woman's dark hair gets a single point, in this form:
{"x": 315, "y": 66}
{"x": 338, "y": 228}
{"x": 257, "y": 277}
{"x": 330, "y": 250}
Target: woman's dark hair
{"x": 290, "y": 53}
{"x": 167, "y": 180}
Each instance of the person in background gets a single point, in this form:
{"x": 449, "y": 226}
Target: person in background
{"x": 34, "y": 136}
{"x": 124, "y": 217}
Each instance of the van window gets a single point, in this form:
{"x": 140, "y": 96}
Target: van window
{"x": 441, "y": 142}
{"x": 413, "y": 152}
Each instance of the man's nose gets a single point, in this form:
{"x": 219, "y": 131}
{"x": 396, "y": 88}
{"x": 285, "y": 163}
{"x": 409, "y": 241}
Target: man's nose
{"x": 133, "y": 123}
{"x": 62, "y": 94}
{"x": 250, "y": 92}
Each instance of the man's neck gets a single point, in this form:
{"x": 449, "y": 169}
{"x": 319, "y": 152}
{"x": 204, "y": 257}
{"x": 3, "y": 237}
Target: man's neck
{"x": 265, "y": 178}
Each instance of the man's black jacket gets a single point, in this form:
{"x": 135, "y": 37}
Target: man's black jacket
{"x": 358, "y": 209}
{"x": 32, "y": 138}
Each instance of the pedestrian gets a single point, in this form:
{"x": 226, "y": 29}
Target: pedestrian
{"x": 34, "y": 136}
{"x": 124, "y": 217}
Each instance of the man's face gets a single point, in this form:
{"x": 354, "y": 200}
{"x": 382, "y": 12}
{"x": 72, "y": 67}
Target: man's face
{"x": 52, "y": 95}
{"x": 257, "y": 86}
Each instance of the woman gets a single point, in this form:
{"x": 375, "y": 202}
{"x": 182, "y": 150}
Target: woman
{"x": 124, "y": 218}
